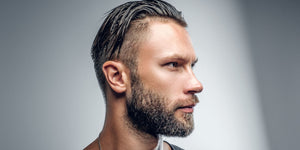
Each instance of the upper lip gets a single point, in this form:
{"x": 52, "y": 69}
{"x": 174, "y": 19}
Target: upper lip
{"x": 189, "y": 103}
{"x": 188, "y": 106}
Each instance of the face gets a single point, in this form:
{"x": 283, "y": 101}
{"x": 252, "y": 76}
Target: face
{"x": 163, "y": 90}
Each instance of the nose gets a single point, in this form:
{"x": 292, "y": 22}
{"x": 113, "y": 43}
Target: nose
{"x": 193, "y": 85}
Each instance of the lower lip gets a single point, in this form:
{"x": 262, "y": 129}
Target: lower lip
{"x": 187, "y": 110}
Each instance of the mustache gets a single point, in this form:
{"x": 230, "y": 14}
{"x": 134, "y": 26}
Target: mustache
{"x": 196, "y": 99}
{"x": 187, "y": 102}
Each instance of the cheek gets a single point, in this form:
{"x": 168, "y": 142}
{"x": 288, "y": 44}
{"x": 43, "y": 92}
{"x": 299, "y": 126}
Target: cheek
{"x": 167, "y": 83}
{"x": 161, "y": 80}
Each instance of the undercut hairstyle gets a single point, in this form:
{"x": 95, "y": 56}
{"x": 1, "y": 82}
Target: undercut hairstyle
{"x": 123, "y": 29}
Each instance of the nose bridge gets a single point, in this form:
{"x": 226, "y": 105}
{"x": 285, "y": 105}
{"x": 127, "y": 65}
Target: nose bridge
{"x": 193, "y": 84}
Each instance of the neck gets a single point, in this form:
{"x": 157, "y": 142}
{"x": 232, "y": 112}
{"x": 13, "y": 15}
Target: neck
{"x": 119, "y": 133}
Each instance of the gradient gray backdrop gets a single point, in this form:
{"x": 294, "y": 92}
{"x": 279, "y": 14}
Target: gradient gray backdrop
{"x": 248, "y": 62}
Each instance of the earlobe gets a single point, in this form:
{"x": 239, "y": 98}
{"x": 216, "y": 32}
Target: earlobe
{"x": 115, "y": 75}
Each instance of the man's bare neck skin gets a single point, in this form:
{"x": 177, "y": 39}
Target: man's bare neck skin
{"x": 116, "y": 133}
{"x": 95, "y": 146}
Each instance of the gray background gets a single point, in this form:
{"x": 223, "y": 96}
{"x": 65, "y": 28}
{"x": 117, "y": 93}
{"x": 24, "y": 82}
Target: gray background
{"x": 248, "y": 62}
{"x": 274, "y": 34}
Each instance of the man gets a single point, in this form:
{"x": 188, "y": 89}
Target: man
{"x": 143, "y": 59}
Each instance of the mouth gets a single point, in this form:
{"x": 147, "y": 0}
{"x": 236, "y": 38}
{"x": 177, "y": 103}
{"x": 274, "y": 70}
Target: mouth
{"x": 187, "y": 108}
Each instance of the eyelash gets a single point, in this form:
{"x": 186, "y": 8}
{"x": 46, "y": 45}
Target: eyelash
{"x": 175, "y": 65}
{"x": 193, "y": 65}
{"x": 172, "y": 64}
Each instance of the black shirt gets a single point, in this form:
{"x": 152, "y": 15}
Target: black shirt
{"x": 174, "y": 147}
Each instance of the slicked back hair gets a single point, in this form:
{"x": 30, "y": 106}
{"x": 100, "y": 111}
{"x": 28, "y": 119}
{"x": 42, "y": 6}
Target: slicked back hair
{"x": 121, "y": 31}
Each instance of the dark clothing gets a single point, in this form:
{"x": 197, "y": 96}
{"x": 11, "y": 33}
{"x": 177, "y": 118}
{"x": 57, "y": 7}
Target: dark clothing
{"x": 174, "y": 147}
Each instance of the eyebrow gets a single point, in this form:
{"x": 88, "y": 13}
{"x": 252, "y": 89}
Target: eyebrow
{"x": 182, "y": 58}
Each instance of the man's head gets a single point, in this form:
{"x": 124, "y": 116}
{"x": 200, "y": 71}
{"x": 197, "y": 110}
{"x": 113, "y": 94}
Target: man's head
{"x": 150, "y": 40}
{"x": 121, "y": 32}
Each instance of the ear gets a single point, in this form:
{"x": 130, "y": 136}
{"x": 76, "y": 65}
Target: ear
{"x": 115, "y": 75}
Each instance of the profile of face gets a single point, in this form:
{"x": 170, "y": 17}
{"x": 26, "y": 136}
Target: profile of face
{"x": 162, "y": 94}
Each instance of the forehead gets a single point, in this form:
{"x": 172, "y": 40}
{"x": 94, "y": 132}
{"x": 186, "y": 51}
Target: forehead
{"x": 166, "y": 39}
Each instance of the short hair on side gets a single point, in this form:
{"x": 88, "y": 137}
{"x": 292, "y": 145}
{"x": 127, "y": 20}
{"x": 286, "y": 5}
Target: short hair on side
{"x": 118, "y": 36}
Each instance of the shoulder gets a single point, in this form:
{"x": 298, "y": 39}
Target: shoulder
{"x": 173, "y": 147}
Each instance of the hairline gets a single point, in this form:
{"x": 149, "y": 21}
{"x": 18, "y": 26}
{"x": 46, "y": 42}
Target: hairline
{"x": 134, "y": 39}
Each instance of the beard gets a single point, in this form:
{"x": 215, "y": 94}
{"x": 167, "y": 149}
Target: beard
{"x": 147, "y": 112}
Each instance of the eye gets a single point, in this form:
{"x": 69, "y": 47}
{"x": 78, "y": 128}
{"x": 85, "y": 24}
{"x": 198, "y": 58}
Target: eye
{"x": 192, "y": 66}
{"x": 172, "y": 64}
{"x": 194, "y": 63}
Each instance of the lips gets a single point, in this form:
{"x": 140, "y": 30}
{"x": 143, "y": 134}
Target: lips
{"x": 187, "y": 108}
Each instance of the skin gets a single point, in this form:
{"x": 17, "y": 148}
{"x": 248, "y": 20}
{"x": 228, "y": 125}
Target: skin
{"x": 165, "y": 65}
